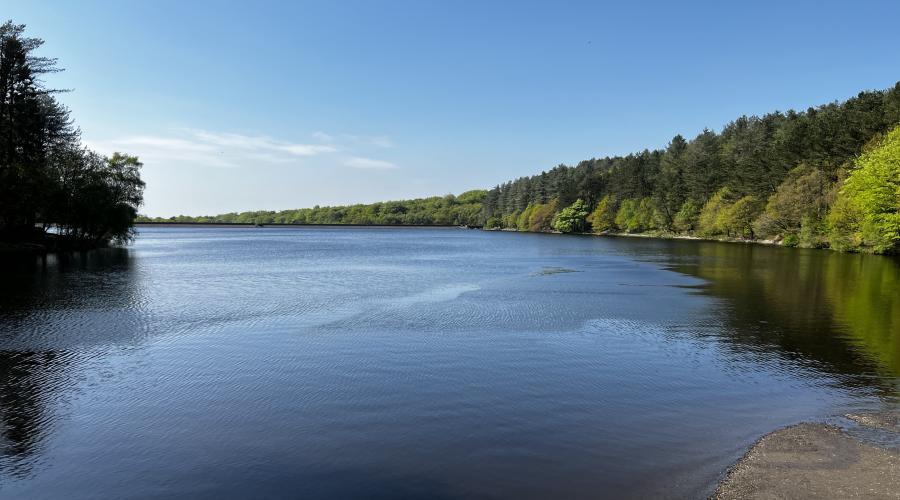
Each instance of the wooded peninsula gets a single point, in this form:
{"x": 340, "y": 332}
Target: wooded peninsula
{"x": 54, "y": 192}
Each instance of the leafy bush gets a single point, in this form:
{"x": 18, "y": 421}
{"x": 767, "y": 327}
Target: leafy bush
{"x": 867, "y": 212}
{"x": 572, "y": 218}
{"x": 603, "y": 218}
{"x": 709, "y": 221}
{"x": 687, "y": 218}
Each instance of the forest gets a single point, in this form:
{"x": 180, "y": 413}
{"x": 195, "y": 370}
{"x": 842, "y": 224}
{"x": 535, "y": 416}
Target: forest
{"x": 828, "y": 176}
{"x": 824, "y": 177}
{"x": 54, "y": 192}
{"x": 465, "y": 209}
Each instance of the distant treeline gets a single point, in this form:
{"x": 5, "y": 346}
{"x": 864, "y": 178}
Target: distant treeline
{"x": 465, "y": 209}
{"x": 53, "y": 191}
{"x": 827, "y": 176}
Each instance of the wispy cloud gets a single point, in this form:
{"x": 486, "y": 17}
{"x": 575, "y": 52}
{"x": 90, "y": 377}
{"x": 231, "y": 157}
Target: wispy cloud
{"x": 379, "y": 141}
{"x": 369, "y": 163}
{"x": 259, "y": 143}
{"x": 211, "y": 149}
{"x": 323, "y": 137}
{"x": 205, "y": 148}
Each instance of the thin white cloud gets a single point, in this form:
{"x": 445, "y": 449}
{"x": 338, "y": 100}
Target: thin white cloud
{"x": 164, "y": 143}
{"x": 165, "y": 150}
{"x": 211, "y": 149}
{"x": 379, "y": 141}
{"x": 369, "y": 163}
{"x": 307, "y": 149}
{"x": 205, "y": 148}
{"x": 260, "y": 143}
{"x": 323, "y": 137}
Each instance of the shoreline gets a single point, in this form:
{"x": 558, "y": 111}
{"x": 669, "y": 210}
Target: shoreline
{"x": 689, "y": 237}
{"x": 281, "y": 225}
{"x": 666, "y": 236}
{"x": 818, "y": 460}
{"x": 43, "y": 247}
{"x": 657, "y": 236}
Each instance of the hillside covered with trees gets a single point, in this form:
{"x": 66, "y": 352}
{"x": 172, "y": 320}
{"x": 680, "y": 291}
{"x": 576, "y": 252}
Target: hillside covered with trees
{"x": 827, "y": 176}
{"x": 54, "y": 193}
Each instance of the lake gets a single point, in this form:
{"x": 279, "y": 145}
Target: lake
{"x": 425, "y": 363}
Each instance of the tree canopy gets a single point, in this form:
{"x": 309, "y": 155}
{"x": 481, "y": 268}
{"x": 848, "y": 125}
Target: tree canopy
{"x": 867, "y": 211}
{"x": 774, "y": 176}
{"x": 48, "y": 180}
{"x": 465, "y": 209}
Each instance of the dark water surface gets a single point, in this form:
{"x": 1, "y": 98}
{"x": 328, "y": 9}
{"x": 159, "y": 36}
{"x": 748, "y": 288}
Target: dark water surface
{"x": 425, "y": 363}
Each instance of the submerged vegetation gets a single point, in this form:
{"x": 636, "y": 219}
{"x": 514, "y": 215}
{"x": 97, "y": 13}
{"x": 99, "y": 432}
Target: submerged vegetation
{"x": 53, "y": 191}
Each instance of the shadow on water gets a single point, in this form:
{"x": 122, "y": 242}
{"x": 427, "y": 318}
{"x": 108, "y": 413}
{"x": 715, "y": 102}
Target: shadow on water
{"x": 37, "y": 356}
{"x": 25, "y": 418}
{"x": 57, "y": 280}
{"x": 838, "y": 312}
{"x": 43, "y": 300}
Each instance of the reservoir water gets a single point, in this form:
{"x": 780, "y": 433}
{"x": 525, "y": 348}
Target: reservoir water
{"x": 425, "y": 363}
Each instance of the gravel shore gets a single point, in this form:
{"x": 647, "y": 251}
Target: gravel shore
{"x": 815, "y": 461}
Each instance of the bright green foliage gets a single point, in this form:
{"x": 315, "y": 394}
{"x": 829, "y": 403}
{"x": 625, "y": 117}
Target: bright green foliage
{"x": 736, "y": 220}
{"x": 649, "y": 216}
{"x": 787, "y": 162}
{"x": 791, "y": 240}
{"x": 636, "y": 216}
{"x": 572, "y": 219}
{"x": 687, "y": 217}
{"x": 537, "y": 217}
{"x": 522, "y": 221}
{"x": 709, "y": 222}
{"x": 843, "y": 225}
{"x": 803, "y": 196}
{"x": 812, "y": 233}
{"x": 603, "y": 218}
{"x": 541, "y": 217}
{"x": 866, "y": 214}
{"x": 439, "y": 210}
{"x": 626, "y": 216}
{"x": 509, "y": 220}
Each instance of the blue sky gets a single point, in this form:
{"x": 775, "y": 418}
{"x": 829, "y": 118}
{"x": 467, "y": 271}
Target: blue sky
{"x": 273, "y": 105}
